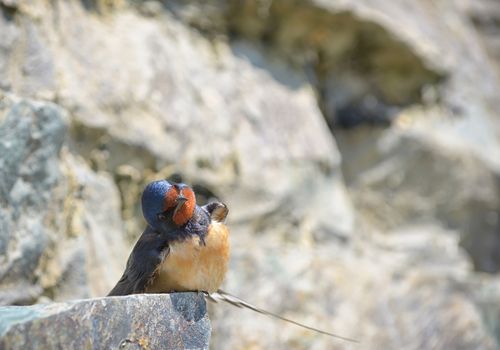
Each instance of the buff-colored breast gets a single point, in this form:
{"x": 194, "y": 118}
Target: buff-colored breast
{"x": 190, "y": 266}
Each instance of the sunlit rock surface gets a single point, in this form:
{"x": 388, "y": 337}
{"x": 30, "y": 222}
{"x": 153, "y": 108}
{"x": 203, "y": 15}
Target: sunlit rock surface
{"x": 170, "y": 321}
{"x": 356, "y": 144}
{"x": 57, "y": 239}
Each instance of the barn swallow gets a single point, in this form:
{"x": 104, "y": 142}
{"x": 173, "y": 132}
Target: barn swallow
{"x": 184, "y": 247}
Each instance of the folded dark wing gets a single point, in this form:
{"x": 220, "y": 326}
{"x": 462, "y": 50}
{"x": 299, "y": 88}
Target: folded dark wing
{"x": 148, "y": 253}
{"x": 217, "y": 211}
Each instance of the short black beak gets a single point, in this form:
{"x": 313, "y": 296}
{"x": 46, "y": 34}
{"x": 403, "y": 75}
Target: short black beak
{"x": 180, "y": 200}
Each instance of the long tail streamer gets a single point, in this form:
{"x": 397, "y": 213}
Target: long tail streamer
{"x": 220, "y": 295}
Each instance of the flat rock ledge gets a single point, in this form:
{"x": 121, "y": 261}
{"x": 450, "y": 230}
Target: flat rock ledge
{"x": 146, "y": 321}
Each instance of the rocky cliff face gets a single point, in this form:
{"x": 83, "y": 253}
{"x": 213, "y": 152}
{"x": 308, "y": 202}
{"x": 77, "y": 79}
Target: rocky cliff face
{"x": 53, "y": 225}
{"x": 356, "y": 144}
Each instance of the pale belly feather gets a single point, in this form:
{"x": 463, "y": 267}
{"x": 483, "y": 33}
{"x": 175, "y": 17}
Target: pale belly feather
{"x": 190, "y": 266}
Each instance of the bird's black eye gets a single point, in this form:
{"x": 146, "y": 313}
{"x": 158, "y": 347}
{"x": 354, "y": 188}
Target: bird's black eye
{"x": 162, "y": 217}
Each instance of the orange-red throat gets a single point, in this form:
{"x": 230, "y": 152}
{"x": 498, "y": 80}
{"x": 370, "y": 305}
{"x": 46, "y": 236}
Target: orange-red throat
{"x": 182, "y": 198}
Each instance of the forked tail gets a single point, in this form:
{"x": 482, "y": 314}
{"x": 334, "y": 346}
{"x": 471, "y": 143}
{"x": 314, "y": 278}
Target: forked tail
{"x": 220, "y": 295}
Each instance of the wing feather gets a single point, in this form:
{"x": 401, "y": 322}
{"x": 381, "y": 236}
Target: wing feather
{"x": 142, "y": 264}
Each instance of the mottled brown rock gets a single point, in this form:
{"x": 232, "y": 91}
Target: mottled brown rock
{"x": 52, "y": 225}
{"x": 168, "y": 321}
{"x": 231, "y": 97}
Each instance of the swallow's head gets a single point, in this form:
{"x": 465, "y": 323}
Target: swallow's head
{"x": 164, "y": 203}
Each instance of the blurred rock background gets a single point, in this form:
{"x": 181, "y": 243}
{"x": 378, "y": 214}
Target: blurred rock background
{"x": 356, "y": 143}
